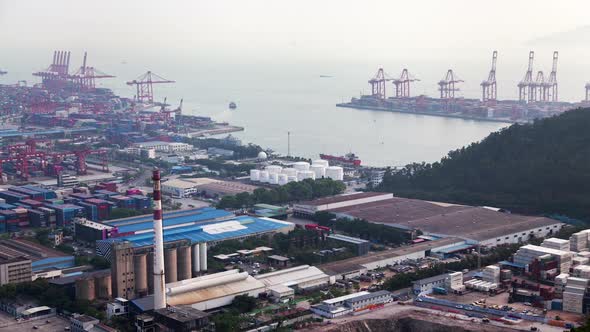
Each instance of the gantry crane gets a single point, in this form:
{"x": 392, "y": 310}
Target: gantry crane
{"x": 56, "y": 75}
{"x": 537, "y": 91}
{"x": 402, "y": 84}
{"x": 447, "y": 85}
{"x": 378, "y": 84}
{"x": 144, "y": 83}
{"x": 85, "y": 76}
{"x": 550, "y": 85}
{"x": 526, "y": 85}
{"x": 489, "y": 90}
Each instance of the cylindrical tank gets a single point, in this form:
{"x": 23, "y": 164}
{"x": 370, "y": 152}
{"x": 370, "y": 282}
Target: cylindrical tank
{"x": 263, "y": 176}
{"x": 184, "y": 263}
{"x": 301, "y": 166}
{"x": 292, "y": 178}
{"x": 335, "y": 173}
{"x": 273, "y": 169}
{"x": 319, "y": 170}
{"x": 170, "y": 265}
{"x": 283, "y": 179}
{"x": 85, "y": 289}
{"x": 273, "y": 178}
{"x": 302, "y": 175}
{"x": 322, "y": 162}
{"x": 196, "y": 260}
{"x": 203, "y": 255}
{"x": 141, "y": 272}
{"x": 254, "y": 175}
{"x": 103, "y": 286}
{"x": 289, "y": 171}
{"x": 150, "y": 273}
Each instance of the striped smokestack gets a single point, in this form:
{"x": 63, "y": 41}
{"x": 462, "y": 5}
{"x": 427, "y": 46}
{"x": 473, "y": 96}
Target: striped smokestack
{"x": 159, "y": 284}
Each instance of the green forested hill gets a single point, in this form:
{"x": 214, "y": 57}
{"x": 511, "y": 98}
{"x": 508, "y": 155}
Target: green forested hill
{"x": 542, "y": 167}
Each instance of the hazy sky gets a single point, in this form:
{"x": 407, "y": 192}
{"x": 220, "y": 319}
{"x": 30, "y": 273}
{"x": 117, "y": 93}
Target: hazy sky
{"x": 335, "y": 29}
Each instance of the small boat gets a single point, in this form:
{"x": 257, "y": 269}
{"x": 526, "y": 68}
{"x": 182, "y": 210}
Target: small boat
{"x": 232, "y": 106}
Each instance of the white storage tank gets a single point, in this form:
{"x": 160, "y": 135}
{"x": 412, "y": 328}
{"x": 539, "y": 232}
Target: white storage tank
{"x": 254, "y": 175}
{"x": 273, "y": 169}
{"x": 283, "y": 179}
{"x": 322, "y": 162}
{"x": 263, "y": 176}
{"x": 292, "y": 178}
{"x": 319, "y": 170}
{"x": 305, "y": 175}
{"x": 335, "y": 173}
{"x": 289, "y": 171}
{"x": 273, "y": 178}
{"x": 301, "y": 166}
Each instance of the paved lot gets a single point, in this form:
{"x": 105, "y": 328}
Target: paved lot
{"x": 9, "y": 324}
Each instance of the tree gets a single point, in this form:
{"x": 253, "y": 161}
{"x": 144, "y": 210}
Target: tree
{"x": 227, "y": 322}
{"x": 244, "y": 303}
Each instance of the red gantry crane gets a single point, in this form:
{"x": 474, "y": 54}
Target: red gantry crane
{"x": 526, "y": 85}
{"x": 85, "y": 77}
{"x": 489, "y": 91}
{"x": 144, "y": 83}
{"x": 378, "y": 84}
{"x": 447, "y": 85}
{"x": 56, "y": 75}
{"x": 402, "y": 84}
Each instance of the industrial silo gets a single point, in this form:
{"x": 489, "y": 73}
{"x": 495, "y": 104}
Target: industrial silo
{"x": 196, "y": 259}
{"x": 283, "y": 179}
{"x": 150, "y": 272}
{"x": 254, "y": 175}
{"x": 302, "y": 175}
{"x": 301, "y": 166}
{"x": 319, "y": 170}
{"x": 203, "y": 255}
{"x": 141, "y": 272}
{"x": 335, "y": 173}
{"x": 273, "y": 169}
{"x": 85, "y": 289}
{"x": 170, "y": 265}
{"x": 322, "y": 162}
{"x": 273, "y": 178}
{"x": 289, "y": 171}
{"x": 184, "y": 263}
{"x": 103, "y": 287}
{"x": 263, "y": 176}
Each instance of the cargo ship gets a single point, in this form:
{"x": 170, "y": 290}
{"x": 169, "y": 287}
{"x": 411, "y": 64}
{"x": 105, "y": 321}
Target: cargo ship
{"x": 349, "y": 158}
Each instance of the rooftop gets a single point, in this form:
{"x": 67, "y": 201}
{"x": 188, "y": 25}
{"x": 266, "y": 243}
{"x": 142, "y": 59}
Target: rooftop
{"x": 183, "y": 313}
{"x": 209, "y": 231}
{"x": 356, "y": 263}
{"x": 345, "y": 297}
{"x": 476, "y": 223}
{"x": 345, "y": 238}
{"x": 342, "y": 198}
{"x": 292, "y": 276}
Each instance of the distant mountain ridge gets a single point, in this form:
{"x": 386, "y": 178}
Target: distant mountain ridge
{"x": 577, "y": 36}
{"x": 539, "y": 168}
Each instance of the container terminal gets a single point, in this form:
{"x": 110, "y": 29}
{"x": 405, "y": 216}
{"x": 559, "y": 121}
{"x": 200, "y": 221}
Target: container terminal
{"x": 538, "y": 96}
{"x": 51, "y": 127}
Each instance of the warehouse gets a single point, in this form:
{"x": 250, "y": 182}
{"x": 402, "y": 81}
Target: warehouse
{"x": 350, "y": 303}
{"x": 309, "y": 208}
{"x": 217, "y": 189}
{"x": 361, "y": 247}
{"x": 300, "y": 278}
{"x": 213, "y": 290}
{"x": 482, "y": 225}
{"x": 179, "y": 188}
{"x": 353, "y": 267}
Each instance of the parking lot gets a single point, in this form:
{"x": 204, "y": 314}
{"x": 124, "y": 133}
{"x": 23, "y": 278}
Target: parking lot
{"x": 51, "y": 324}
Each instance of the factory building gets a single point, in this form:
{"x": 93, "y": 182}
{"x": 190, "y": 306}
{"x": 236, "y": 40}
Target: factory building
{"x": 91, "y": 231}
{"x": 204, "y": 186}
{"x": 181, "y": 319}
{"x": 179, "y": 188}
{"x": 300, "y": 278}
{"x": 15, "y": 270}
{"x": 477, "y": 225}
{"x": 166, "y": 147}
{"x": 361, "y": 247}
{"x": 309, "y": 208}
{"x": 353, "y": 267}
{"x": 347, "y": 304}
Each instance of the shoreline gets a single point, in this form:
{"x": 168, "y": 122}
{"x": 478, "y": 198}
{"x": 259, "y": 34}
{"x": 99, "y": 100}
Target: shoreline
{"x": 377, "y": 108}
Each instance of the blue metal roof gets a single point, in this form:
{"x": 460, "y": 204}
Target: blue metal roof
{"x": 53, "y": 262}
{"x": 195, "y": 233}
{"x": 456, "y": 248}
{"x": 170, "y": 218}
{"x": 14, "y": 133}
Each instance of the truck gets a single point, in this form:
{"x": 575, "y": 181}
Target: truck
{"x": 439, "y": 290}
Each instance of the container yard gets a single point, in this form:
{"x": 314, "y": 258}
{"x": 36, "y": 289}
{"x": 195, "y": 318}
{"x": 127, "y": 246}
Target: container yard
{"x": 52, "y": 128}
{"x": 538, "y": 96}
